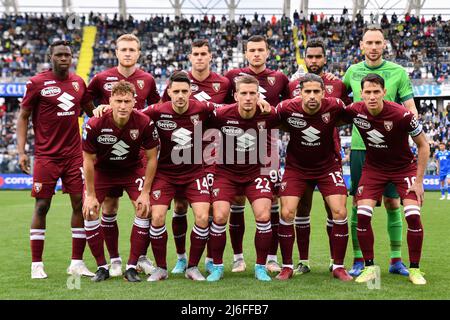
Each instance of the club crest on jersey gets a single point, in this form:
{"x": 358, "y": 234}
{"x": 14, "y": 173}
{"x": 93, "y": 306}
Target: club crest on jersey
{"x": 195, "y": 119}
{"x": 388, "y": 125}
{"x": 216, "y": 86}
{"x": 194, "y": 87}
{"x": 261, "y": 125}
{"x": 216, "y": 192}
{"x": 140, "y": 84}
{"x": 134, "y": 133}
{"x": 329, "y": 88}
{"x": 76, "y": 86}
{"x": 326, "y": 117}
{"x": 271, "y": 80}
{"x": 156, "y": 194}
{"x": 37, "y": 187}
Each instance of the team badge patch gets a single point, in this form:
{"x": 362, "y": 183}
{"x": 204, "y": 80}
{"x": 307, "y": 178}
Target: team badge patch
{"x": 360, "y": 190}
{"x": 37, "y": 187}
{"x": 216, "y": 192}
{"x": 76, "y": 86}
{"x": 156, "y": 194}
{"x": 216, "y": 86}
{"x": 326, "y": 117}
{"x": 329, "y": 88}
{"x": 261, "y": 125}
{"x": 195, "y": 119}
{"x": 140, "y": 84}
{"x": 271, "y": 80}
{"x": 134, "y": 133}
{"x": 194, "y": 87}
{"x": 388, "y": 125}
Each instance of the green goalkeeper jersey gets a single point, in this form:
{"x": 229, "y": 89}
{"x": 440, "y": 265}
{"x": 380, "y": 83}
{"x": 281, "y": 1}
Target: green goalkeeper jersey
{"x": 396, "y": 81}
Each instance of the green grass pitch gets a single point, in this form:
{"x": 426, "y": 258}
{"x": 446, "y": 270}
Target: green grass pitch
{"x": 15, "y": 282}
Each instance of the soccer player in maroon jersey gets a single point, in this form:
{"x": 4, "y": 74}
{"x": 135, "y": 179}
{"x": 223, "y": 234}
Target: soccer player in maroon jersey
{"x": 315, "y": 61}
{"x": 180, "y": 172}
{"x": 55, "y": 99}
{"x": 127, "y": 52}
{"x": 239, "y": 171}
{"x": 205, "y": 86}
{"x": 385, "y": 128}
{"x": 112, "y": 162}
{"x": 273, "y": 87}
{"x": 311, "y": 120}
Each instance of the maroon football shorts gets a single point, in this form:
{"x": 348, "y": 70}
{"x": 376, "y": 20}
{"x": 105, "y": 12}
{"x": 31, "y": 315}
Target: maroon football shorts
{"x": 373, "y": 182}
{"x": 164, "y": 190}
{"x": 46, "y": 173}
{"x": 226, "y": 188}
{"x": 275, "y": 181}
{"x": 294, "y": 183}
{"x": 107, "y": 184}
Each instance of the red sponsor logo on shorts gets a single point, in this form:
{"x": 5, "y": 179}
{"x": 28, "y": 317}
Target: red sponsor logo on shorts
{"x": 37, "y": 186}
{"x": 156, "y": 194}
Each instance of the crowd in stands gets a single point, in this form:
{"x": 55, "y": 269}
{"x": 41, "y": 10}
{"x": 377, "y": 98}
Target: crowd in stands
{"x": 421, "y": 46}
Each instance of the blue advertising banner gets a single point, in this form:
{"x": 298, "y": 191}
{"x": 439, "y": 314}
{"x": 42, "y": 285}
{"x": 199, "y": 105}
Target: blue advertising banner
{"x": 24, "y": 182}
{"x": 12, "y": 89}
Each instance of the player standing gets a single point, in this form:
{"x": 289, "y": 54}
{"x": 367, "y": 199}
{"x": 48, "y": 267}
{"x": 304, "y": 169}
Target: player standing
{"x": 205, "y": 86}
{"x": 273, "y": 87}
{"x": 128, "y": 50}
{"x": 399, "y": 89}
{"x": 112, "y": 163}
{"x": 443, "y": 160}
{"x": 315, "y": 61}
{"x": 311, "y": 121}
{"x": 55, "y": 99}
{"x": 385, "y": 128}
{"x": 242, "y": 127}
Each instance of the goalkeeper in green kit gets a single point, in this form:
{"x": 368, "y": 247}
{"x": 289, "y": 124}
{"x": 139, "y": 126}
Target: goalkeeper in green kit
{"x": 399, "y": 89}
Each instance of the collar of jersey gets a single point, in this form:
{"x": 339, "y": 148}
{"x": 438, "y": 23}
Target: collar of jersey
{"x": 374, "y": 68}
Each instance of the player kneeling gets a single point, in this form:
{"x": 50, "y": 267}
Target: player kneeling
{"x": 111, "y": 163}
{"x": 385, "y": 128}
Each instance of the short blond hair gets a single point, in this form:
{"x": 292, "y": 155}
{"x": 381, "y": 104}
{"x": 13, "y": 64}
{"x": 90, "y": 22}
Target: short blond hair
{"x": 129, "y": 37}
{"x": 246, "y": 79}
{"x": 123, "y": 88}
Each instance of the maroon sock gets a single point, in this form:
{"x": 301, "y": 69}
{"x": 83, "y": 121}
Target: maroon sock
{"x": 237, "y": 228}
{"x": 286, "y": 236}
{"x": 329, "y": 233}
{"x": 340, "y": 239}
{"x": 303, "y": 230}
{"x": 199, "y": 237}
{"x": 111, "y": 234}
{"x": 179, "y": 229}
{"x": 78, "y": 243}
{"x": 158, "y": 239}
{"x": 263, "y": 238}
{"x": 37, "y": 237}
{"x": 208, "y": 245}
{"x": 365, "y": 232}
{"x": 274, "y": 220}
{"x": 414, "y": 234}
{"x": 94, "y": 238}
{"x": 138, "y": 239}
{"x": 217, "y": 241}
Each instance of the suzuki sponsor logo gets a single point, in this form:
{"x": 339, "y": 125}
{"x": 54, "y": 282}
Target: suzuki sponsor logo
{"x": 232, "y": 131}
{"x": 296, "y": 122}
{"x": 50, "y": 92}
{"x": 166, "y": 125}
{"x": 202, "y": 96}
{"x": 311, "y": 134}
{"x": 107, "y": 139}
{"x": 182, "y": 136}
{"x": 377, "y": 138}
{"x": 245, "y": 141}
{"x": 66, "y": 104}
{"x": 120, "y": 149}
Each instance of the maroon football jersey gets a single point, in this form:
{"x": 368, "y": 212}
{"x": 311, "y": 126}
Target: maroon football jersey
{"x": 333, "y": 89}
{"x": 311, "y": 146}
{"x": 245, "y": 136}
{"x": 118, "y": 149}
{"x": 181, "y": 136}
{"x": 385, "y": 135}
{"x": 273, "y": 85}
{"x": 215, "y": 88}
{"x": 56, "y": 105}
{"x": 100, "y": 86}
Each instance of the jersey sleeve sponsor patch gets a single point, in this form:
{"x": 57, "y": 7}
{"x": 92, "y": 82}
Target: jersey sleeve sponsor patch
{"x": 415, "y": 127}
